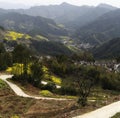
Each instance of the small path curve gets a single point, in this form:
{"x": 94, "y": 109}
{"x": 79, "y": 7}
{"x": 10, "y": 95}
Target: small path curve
{"x": 20, "y": 92}
{"x": 104, "y": 112}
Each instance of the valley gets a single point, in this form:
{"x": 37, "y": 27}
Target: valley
{"x": 60, "y": 61}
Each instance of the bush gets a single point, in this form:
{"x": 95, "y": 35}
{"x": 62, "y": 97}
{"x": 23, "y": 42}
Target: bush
{"x": 2, "y": 84}
{"x": 110, "y": 81}
{"x": 46, "y": 93}
{"x": 23, "y": 79}
{"x": 15, "y": 116}
{"x": 68, "y": 90}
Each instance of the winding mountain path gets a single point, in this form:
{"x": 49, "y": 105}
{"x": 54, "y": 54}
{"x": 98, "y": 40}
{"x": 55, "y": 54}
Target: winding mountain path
{"x": 104, "y": 112}
{"x": 20, "y": 92}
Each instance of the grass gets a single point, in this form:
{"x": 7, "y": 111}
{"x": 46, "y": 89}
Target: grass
{"x": 40, "y": 37}
{"x": 75, "y": 49}
{"x": 5, "y": 89}
{"x": 64, "y": 37}
{"x": 15, "y": 116}
{"x": 116, "y": 115}
{"x": 46, "y": 93}
{"x": 31, "y": 90}
{"x": 49, "y": 109}
{"x": 14, "y": 106}
{"x": 61, "y": 25}
{"x": 2, "y": 84}
{"x": 101, "y": 99}
{"x": 11, "y": 35}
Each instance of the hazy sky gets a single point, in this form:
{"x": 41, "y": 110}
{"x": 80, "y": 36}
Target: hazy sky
{"x": 75, "y": 2}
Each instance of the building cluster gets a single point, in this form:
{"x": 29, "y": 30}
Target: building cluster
{"x": 109, "y": 65}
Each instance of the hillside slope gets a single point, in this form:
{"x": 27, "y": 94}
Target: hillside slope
{"x": 62, "y": 13}
{"x": 50, "y": 48}
{"x": 30, "y": 25}
{"x": 110, "y": 49}
{"x": 101, "y": 30}
{"x": 39, "y": 45}
{"x": 90, "y": 16}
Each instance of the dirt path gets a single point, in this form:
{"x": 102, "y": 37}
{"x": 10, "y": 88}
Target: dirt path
{"x": 104, "y": 112}
{"x": 20, "y": 92}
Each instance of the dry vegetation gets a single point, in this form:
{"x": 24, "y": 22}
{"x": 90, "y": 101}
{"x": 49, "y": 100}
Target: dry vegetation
{"x": 12, "y": 106}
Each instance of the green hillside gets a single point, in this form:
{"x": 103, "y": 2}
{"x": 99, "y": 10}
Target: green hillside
{"x": 50, "y": 48}
{"x": 30, "y": 25}
{"x": 39, "y": 44}
{"x": 101, "y": 30}
{"x": 110, "y": 49}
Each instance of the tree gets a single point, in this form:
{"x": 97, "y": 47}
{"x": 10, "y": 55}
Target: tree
{"x": 83, "y": 56}
{"x": 22, "y": 54}
{"x": 8, "y": 58}
{"x": 2, "y": 48}
{"x": 118, "y": 59}
{"x": 36, "y": 73}
{"x": 86, "y": 79}
{"x": 5, "y": 58}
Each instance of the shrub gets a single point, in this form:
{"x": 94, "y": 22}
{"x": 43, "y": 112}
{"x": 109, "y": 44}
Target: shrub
{"x": 110, "y": 81}
{"x": 15, "y": 116}
{"x": 46, "y": 93}
{"x": 68, "y": 90}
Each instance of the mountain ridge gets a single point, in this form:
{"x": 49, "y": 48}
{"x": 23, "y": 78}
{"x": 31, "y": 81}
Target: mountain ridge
{"x": 102, "y": 29}
{"x": 30, "y": 25}
{"x": 65, "y": 13}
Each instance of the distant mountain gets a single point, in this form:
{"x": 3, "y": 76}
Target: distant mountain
{"x": 90, "y": 16}
{"x": 2, "y": 11}
{"x": 69, "y": 15}
{"x": 93, "y": 25}
{"x": 56, "y": 11}
{"x": 63, "y": 14}
{"x": 103, "y": 5}
{"x": 108, "y": 50}
{"x": 101, "y": 30}
{"x": 2, "y": 32}
{"x": 30, "y": 25}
